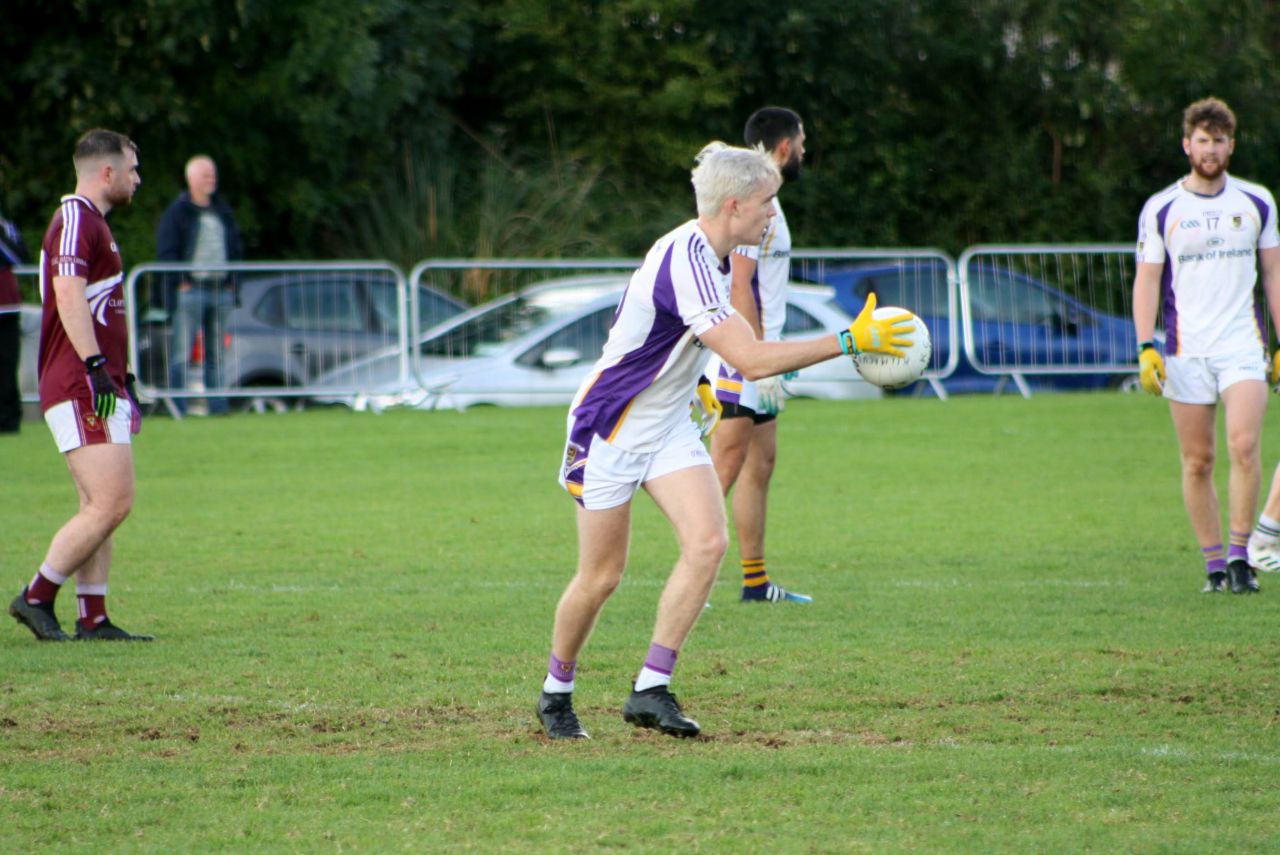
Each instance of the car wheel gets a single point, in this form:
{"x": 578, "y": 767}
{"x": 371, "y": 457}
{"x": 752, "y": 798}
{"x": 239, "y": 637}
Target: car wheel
{"x": 1126, "y": 383}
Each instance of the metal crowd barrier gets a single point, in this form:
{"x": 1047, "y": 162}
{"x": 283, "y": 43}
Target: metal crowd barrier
{"x": 28, "y": 276}
{"x": 921, "y": 280}
{"x": 261, "y": 332}
{"x": 361, "y": 333}
{"x": 1060, "y": 314}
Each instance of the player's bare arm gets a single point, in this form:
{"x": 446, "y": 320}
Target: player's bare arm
{"x": 734, "y": 341}
{"x": 1146, "y": 299}
{"x": 73, "y": 309}
{"x": 1269, "y": 270}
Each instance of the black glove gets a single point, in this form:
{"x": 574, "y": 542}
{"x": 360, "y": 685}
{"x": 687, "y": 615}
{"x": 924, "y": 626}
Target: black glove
{"x": 104, "y": 391}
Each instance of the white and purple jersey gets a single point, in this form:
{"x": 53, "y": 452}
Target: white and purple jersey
{"x": 1208, "y": 246}
{"x": 769, "y": 287}
{"x": 640, "y": 389}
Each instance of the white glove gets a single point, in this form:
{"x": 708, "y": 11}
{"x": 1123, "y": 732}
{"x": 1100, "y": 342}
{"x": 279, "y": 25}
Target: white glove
{"x": 771, "y": 394}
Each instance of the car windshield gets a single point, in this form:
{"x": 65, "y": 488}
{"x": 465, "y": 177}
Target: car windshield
{"x": 503, "y": 322}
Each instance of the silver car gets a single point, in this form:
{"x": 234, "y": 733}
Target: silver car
{"x": 535, "y": 347}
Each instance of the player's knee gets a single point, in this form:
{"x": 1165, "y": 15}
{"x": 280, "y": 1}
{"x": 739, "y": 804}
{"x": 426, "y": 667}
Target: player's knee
{"x": 1243, "y": 447}
{"x": 1198, "y": 463}
{"x": 708, "y": 548}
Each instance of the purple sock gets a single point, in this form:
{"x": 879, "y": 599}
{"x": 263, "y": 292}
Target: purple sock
{"x": 560, "y": 670}
{"x": 661, "y": 659}
{"x": 1239, "y": 548}
{"x": 657, "y": 669}
{"x": 1214, "y": 562}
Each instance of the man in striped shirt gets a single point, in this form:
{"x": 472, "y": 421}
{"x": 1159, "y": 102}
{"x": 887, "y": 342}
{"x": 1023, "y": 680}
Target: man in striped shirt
{"x": 85, "y": 394}
{"x": 629, "y": 427}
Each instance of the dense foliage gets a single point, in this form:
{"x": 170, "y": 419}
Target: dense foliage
{"x": 404, "y": 129}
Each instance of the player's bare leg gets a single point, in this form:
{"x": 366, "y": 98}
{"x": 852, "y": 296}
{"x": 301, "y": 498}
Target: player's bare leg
{"x": 603, "y": 538}
{"x": 729, "y": 446}
{"x": 692, "y": 501}
{"x": 750, "y": 511}
{"x": 1245, "y": 404}
{"x": 1194, "y": 426}
{"x": 103, "y": 475}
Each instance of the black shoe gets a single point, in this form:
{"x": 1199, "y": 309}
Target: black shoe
{"x": 108, "y": 631}
{"x": 1243, "y": 579}
{"x": 40, "y": 619}
{"x": 555, "y": 711}
{"x": 659, "y": 709}
{"x": 1215, "y": 584}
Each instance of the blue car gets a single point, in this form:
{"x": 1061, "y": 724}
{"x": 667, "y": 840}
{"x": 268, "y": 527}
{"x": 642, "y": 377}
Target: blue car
{"x": 1020, "y": 324}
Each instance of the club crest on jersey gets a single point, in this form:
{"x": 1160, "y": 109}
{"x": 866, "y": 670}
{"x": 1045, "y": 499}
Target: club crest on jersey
{"x": 1237, "y": 221}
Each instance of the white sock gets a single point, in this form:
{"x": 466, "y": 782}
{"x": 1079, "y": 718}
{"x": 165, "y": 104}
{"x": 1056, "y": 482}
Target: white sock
{"x": 552, "y": 686}
{"x": 649, "y": 678}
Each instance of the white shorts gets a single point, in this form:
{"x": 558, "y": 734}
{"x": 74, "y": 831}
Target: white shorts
{"x": 603, "y": 476}
{"x": 75, "y": 424}
{"x": 1201, "y": 379}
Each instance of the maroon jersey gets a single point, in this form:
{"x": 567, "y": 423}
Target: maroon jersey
{"x": 79, "y": 243}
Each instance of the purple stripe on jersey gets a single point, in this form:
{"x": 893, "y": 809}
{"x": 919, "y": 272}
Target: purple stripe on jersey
{"x": 603, "y": 406}
{"x": 1170, "y": 307}
{"x": 1162, "y": 216}
{"x": 728, "y": 396}
{"x": 1263, "y": 209}
{"x": 1166, "y": 287}
{"x": 701, "y": 274}
{"x": 755, "y": 294}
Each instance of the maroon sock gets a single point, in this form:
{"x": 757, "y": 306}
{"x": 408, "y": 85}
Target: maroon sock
{"x": 42, "y": 591}
{"x": 93, "y": 609}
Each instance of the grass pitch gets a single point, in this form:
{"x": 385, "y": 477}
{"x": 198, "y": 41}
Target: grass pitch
{"x": 1007, "y": 650}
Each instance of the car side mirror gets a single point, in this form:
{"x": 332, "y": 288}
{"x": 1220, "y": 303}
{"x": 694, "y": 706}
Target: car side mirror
{"x": 559, "y": 357}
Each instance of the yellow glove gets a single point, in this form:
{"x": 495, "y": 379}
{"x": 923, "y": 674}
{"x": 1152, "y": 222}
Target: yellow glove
{"x": 1273, "y": 377}
{"x": 868, "y": 334}
{"x": 1151, "y": 373}
{"x": 707, "y": 409}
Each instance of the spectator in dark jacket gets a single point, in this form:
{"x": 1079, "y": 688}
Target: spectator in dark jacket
{"x": 199, "y": 228}
{"x": 12, "y": 252}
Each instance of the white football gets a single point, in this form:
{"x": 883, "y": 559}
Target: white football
{"x": 894, "y": 372}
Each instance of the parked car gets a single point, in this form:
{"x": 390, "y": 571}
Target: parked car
{"x": 1018, "y": 321}
{"x": 535, "y": 348}
{"x": 290, "y": 328}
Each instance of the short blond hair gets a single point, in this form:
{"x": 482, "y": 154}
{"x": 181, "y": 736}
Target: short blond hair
{"x": 725, "y": 172}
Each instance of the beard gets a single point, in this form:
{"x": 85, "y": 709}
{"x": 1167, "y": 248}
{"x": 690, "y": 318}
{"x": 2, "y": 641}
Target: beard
{"x": 791, "y": 169}
{"x": 119, "y": 196}
{"x": 1209, "y": 169}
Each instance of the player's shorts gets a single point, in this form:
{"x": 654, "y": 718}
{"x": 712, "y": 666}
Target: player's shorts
{"x": 74, "y": 424}
{"x": 1202, "y": 379}
{"x": 737, "y": 395}
{"x": 737, "y": 411}
{"x": 601, "y": 476}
